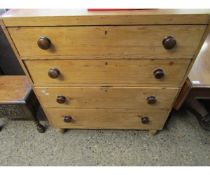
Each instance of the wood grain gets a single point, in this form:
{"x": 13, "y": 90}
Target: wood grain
{"x": 15, "y": 50}
{"x": 180, "y": 96}
{"x": 14, "y": 89}
{"x": 106, "y": 97}
{"x": 107, "y": 119}
{"x": 97, "y": 42}
{"x": 106, "y": 61}
{"x": 107, "y": 72}
{"x": 200, "y": 72}
{"x": 185, "y": 90}
{"x": 55, "y": 17}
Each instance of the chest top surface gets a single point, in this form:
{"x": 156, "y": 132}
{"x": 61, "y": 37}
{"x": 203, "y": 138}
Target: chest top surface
{"x": 63, "y": 17}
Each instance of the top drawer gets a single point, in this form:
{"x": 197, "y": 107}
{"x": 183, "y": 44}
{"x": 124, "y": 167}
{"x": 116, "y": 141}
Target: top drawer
{"x": 95, "y": 42}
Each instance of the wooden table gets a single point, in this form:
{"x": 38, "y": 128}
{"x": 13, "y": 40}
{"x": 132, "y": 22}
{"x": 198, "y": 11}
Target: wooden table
{"x": 197, "y": 86}
{"x": 17, "y": 100}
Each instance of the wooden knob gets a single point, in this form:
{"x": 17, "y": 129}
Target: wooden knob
{"x": 151, "y": 100}
{"x": 44, "y": 43}
{"x": 53, "y": 73}
{"x": 61, "y": 99}
{"x": 145, "y": 120}
{"x": 158, "y": 73}
{"x": 67, "y": 119}
{"x": 169, "y": 42}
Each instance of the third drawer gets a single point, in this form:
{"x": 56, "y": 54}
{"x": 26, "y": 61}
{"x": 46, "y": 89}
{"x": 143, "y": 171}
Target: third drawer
{"x": 106, "y": 97}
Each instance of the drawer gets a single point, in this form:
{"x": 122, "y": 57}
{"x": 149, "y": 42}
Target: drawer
{"x": 106, "y": 119}
{"x": 107, "y": 72}
{"x": 107, "y": 97}
{"x": 96, "y": 42}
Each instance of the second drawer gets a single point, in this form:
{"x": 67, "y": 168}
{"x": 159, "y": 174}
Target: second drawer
{"x": 106, "y": 97}
{"x": 107, "y": 72}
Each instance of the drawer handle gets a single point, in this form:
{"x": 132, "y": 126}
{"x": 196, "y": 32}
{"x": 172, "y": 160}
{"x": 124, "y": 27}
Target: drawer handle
{"x": 67, "y": 119}
{"x": 158, "y": 73}
{"x": 145, "y": 120}
{"x": 151, "y": 100}
{"x": 169, "y": 42}
{"x": 44, "y": 43}
{"x": 61, "y": 99}
{"x": 53, "y": 73}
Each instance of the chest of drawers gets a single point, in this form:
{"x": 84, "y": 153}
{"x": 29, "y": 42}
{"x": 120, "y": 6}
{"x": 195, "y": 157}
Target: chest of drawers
{"x": 106, "y": 70}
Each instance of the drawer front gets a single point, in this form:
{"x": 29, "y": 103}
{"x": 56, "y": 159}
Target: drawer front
{"x": 106, "y": 119}
{"x": 108, "y": 41}
{"x": 107, "y": 97}
{"x": 107, "y": 72}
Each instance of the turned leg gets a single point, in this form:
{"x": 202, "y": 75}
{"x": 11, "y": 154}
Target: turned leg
{"x": 1, "y": 127}
{"x": 153, "y": 131}
{"x": 201, "y": 113}
{"x": 39, "y": 126}
{"x": 2, "y": 124}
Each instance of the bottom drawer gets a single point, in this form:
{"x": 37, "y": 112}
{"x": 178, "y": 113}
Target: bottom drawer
{"x": 107, "y": 118}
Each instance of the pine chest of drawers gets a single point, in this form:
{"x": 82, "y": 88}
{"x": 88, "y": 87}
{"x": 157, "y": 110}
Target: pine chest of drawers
{"x": 106, "y": 70}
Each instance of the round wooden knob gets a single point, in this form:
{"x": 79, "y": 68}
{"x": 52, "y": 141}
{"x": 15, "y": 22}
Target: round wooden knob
{"x": 151, "y": 100}
{"x": 61, "y": 99}
{"x": 169, "y": 42}
{"x": 53, "y": 73}
{"x": 158, "y": 73}
{"x": 67, "y": 119}
{"x": 44, "y": 43}
{"x": 145, "y": 120}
